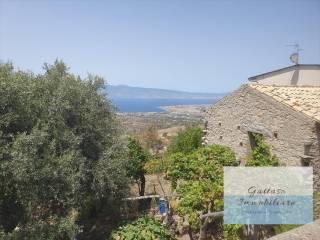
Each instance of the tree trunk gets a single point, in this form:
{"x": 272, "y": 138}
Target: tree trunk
{"x": 204, "y": 222}
{"x": 142, "y": 185}
{"x": 203, "y": 228}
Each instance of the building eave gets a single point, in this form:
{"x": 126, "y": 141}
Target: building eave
{"x": 286, "y": 69}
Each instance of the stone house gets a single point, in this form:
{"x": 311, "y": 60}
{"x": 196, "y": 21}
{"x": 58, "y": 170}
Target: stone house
{"x": 287, "y": 115}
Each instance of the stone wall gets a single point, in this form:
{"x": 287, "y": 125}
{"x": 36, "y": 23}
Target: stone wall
{"x": 305, "y": 232}
{"x": 289, "y": 133}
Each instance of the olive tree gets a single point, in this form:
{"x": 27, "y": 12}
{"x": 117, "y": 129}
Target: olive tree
{"x": 60, "y": 151}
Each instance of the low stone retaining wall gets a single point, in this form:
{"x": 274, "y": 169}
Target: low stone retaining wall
{"x": 306, "y": 232}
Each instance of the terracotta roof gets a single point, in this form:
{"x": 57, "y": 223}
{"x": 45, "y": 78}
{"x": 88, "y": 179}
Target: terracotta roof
{"x": 301, "y": 99}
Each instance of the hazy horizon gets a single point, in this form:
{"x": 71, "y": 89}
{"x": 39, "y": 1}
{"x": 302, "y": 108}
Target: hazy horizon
{"x": 165, "y": 89}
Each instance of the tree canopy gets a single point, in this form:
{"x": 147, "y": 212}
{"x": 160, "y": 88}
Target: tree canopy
{"x": 137, "y": 160}
{"x": 198, "y": 178}
{"x": 60, "y": 149}
{"x": 186, "y": 141}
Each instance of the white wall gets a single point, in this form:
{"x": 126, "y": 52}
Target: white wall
{"x": 302, "y": 77}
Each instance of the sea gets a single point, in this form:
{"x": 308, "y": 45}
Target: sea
{"x": 153, "y": 105}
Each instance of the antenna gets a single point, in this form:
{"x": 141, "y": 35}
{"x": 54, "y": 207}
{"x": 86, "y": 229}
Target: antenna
{"x": 295, "y": 56}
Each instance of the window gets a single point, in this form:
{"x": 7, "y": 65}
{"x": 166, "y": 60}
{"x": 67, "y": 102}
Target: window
{"x": 307, "y": 148}
{"x": 306, "y": 158}
{"x": 253, "y": 139}
{"x": 305, "y": 162}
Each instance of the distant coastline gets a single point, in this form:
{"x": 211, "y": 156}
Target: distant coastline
{"x": 194, "y": 109}
{"x": 125, "y": 105}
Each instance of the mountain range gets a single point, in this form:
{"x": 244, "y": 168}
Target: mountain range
{"x": 124, "y": 92}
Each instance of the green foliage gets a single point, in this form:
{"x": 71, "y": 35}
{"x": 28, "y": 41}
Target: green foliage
{"x": 261, "y": 155}
{"x": 204, "y": 163}
{"x": 143, "y": 228}
{"x": 59, "y": 147}
{"x": 137, "y": 160}
{"x": 158, "y": 164}
{"x": 153, "y": 166}
{"x": 52, "y": 228}
{"x": 231, "y": 231}
{"x": 198, "y": 177}
{"x": 187, "y": 140}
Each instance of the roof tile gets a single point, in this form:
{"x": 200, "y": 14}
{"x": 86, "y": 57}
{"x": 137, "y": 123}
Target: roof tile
{"x": 302, "y": 99}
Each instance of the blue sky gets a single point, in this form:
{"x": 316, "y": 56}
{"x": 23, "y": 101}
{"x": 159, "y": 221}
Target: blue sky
{"x": 203, "y": 46}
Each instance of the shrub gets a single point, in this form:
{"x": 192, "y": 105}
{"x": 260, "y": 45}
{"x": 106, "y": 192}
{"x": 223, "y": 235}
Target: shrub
{"x": 187, "y": 140}
{"x": 141, "y": 229}
{"x": 232, "y": 231}
{"x": 261, "y": 154}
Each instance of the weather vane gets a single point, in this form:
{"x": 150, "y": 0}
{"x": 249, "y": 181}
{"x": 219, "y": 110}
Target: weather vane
{"x": 294, "y": 57}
